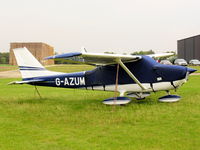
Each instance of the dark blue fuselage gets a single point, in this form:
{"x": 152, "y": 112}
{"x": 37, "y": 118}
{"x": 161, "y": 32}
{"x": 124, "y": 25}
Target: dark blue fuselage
{"x": 146, "y": 70}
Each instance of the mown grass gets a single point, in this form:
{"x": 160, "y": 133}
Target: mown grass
{"x": 70, "y": 67}
{"x": 6, "y": 67}
{"x": 59, "y": 68}
{"x": 72, "y": 119}
{"x": 196, "y": 67}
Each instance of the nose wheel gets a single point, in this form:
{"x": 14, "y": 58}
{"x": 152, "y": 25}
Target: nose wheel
{"x": 169, "y": 98}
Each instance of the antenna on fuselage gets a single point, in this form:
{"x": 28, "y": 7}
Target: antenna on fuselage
{"x": 83, "y": 50}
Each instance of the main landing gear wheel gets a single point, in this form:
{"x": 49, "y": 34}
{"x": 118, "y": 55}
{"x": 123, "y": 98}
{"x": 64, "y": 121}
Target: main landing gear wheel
{"x": 121, "y": 100}
{"x": 117, "y": 101}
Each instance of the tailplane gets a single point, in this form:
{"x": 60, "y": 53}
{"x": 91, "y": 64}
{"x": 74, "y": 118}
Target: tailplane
{"x": 29, "y": 66}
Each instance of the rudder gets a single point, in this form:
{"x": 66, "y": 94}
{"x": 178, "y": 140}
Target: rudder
{"x": 29, "y": 66}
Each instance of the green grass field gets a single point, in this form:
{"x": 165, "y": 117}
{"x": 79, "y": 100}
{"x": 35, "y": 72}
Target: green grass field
{"x": 72, "y": 119}
{"x": 70, "y": 67}
{"x": 6, "y": 67}
{"x": 196, "y": 67}
{"x": 60, "y": 68}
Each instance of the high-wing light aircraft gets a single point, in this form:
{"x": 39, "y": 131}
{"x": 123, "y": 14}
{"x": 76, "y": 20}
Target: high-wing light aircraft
{"x": 130, "y": 75}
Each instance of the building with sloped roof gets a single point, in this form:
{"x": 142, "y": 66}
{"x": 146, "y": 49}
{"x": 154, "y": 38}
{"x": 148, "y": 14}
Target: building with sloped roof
{"x": 189, "y": 48}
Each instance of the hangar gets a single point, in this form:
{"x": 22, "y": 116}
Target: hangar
{"x": 189, "y": 48}
{"x": 38, "y": 49}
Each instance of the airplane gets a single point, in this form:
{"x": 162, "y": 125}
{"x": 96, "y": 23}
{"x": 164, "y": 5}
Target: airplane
{"x": 132, "y": 76}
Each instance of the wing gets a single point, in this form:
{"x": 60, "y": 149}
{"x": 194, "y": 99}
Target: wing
{"x": 101, "y": 59}
{"x": 95, "y": 58}
{"x": 161, "y": 55}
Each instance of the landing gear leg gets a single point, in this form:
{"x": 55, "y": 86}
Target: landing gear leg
{"x": 121, "y": 100}
{"x": 168, "y": 92}
{"x": 140, "y": 97}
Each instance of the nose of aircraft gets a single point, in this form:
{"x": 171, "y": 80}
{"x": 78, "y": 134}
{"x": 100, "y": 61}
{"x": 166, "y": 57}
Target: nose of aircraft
{"x": 173, "y": 73}
{"x": 191, "y": 70}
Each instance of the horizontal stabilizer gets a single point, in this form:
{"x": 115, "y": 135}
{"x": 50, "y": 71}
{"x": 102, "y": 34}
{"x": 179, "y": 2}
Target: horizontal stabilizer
{"x": 25, "y": 82}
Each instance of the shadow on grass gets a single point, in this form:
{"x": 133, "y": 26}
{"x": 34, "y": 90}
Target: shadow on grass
{"x": 54, "y": 100}
{"x": 79, "y": 103}
{"x": 31, "y": 100}
{"x": 146, "y": 101}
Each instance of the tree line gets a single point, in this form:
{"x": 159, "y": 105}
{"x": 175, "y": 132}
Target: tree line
{"x": 4, "y": 58}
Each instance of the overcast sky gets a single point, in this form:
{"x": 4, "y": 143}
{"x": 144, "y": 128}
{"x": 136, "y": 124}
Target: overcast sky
{"x": 99, "y": 25}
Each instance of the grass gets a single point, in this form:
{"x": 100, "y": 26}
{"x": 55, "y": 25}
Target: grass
{"x": 196, "y": 67}
{"x": 6, "y": 67}
{"x": 70, "y": 67}
{"x": 72, "y": 119}
{"x": 59, "y": 68}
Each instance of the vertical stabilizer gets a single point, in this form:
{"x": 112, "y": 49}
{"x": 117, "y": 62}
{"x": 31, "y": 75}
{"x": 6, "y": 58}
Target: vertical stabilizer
{"x": 26, "y": 59}
{"x": 29, "y": 66}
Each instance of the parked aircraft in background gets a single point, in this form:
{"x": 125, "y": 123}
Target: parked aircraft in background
{"x": 130, "y": 75}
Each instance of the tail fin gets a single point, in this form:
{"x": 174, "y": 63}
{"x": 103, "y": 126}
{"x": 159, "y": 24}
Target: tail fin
{"x": 29, "y": 66}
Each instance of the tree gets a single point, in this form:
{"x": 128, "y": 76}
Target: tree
{"x": 4, "y": 58}
{"x": 143, "y": 52}
{"x": 109, "y": 52}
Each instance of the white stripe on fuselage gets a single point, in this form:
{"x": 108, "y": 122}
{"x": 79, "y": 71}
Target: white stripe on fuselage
{"x": 159, "y": 86}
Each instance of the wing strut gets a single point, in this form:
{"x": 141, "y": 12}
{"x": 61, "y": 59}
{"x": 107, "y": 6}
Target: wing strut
{"x": 130, "y": 74}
